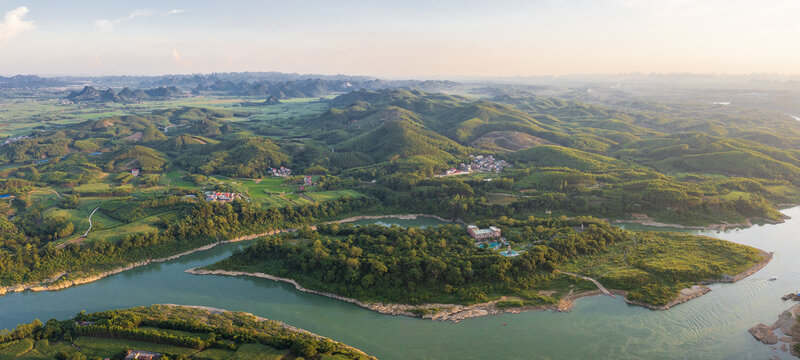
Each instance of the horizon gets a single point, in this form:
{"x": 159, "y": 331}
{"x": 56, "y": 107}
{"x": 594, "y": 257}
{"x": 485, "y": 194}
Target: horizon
{"x": 409, "y": 40}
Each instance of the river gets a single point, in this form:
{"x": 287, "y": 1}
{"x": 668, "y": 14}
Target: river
{"x": 713, "y": 326}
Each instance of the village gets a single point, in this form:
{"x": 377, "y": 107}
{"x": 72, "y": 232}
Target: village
{"x": 480, "y": 163}
{"x": 223, "y": 197}
{"x": 281, "y": 172}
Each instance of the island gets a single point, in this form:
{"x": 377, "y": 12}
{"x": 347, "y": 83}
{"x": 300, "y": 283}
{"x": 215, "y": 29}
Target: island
{"x": 452, "y": 273}
{"x": 164, "y": 332}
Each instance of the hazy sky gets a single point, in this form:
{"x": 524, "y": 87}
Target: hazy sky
{"x": 400, "y": 38}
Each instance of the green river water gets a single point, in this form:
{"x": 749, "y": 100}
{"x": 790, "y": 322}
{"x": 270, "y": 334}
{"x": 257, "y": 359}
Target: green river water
{"x": 711, "y": 327}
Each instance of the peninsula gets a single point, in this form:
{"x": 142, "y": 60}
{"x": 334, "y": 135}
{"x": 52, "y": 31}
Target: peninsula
{"x": 448, "y": 273}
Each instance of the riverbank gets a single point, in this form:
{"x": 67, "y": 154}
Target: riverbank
{"x": 214, "y": 310}
{"x": 52, "y": 285}
{"x": 442, "y": 312}
{"x": 457, "y": 312}
{"x": 718, "y": 227}
{"x": 57, "y": 283}
{"x": 788, "y": 331}
{"x": 699, "y": 290}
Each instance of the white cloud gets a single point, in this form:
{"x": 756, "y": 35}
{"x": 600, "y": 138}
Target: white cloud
{"x": 109, "y": 23}
{"x": 14, "y": 23}
{"x": 176, "y": 57}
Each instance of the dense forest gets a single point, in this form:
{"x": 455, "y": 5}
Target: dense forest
{"x": 26, "y": 258}
{"x": 443, "y": 264}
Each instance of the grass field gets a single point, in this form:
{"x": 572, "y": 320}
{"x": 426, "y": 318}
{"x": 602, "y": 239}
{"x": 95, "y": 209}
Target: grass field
{"x": 42, "y": 349}
{"x": 16, "y": 348}
{"x": 256, "y": 351}
{"x": 22, "y": 116}
{"x": 117, "y": 233}
{"x": 102, "y": 347}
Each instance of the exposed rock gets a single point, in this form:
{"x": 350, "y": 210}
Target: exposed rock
{"x": 787, "y": 324}
{"x": 764, "y": 333}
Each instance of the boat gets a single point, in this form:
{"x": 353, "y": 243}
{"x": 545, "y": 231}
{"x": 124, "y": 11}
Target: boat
{"x": 773, "y": 278}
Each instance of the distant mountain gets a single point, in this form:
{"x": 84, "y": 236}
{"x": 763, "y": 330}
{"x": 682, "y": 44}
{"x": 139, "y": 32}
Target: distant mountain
{"x": 126, "y": 95}
{"x": 27, "y": 81}
{"x": 279, "y": 90}
{"x": 89, "y": 93}
{"x": 130, "y": 95}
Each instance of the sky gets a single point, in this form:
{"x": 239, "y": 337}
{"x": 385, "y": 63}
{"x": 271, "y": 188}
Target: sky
{"x": 400, "y": 39}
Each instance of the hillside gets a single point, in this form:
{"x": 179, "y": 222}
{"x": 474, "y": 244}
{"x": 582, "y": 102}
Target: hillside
{"x": 172, "y": 332}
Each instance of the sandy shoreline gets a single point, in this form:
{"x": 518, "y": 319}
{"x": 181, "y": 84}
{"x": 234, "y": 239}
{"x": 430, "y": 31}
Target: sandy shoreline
{"x": 284, "y": 325}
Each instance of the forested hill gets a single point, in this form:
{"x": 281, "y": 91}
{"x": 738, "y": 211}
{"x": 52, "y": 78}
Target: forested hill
{"x": 667, "y": 139}
{"x": 676, "y": 163}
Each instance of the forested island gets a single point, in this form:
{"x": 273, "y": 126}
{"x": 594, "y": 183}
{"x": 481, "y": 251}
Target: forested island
{"x": 443, "y": 266}
{"x": 168, "y": 332}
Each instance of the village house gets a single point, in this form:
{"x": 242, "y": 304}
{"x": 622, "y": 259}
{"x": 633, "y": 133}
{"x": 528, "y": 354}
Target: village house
{"x": 135, "y": 172}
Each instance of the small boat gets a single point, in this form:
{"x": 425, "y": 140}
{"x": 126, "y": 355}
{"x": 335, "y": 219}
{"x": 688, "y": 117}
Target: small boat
{"x": 773, "y": 278}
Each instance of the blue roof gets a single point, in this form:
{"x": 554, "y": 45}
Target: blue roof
{"x": 42, "y": 161}
{"x": 5, "y": 196}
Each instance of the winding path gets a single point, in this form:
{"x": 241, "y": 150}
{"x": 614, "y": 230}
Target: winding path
{"x": 57, "y": 194}
{"x": 597, "y": 283}
{"x": 90, "y": 222}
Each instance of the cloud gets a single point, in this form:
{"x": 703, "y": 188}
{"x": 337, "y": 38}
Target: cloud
{"x": 176, "y": 57}
{"x": 107, "y": 24}
{"x": 14, "y": 23}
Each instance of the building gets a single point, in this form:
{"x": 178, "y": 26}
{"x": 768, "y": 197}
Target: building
{"x": 135, "y": 172}
{"x": 492, "y": 232}
{"x": 141, "y": 355}
{"x": 282, "y": 171}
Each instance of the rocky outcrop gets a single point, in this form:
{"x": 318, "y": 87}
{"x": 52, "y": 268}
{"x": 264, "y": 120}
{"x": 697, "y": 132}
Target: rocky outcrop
{"x": 787, "y": 324}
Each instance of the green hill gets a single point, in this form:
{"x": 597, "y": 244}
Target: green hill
{"x": 559, "y": 156}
